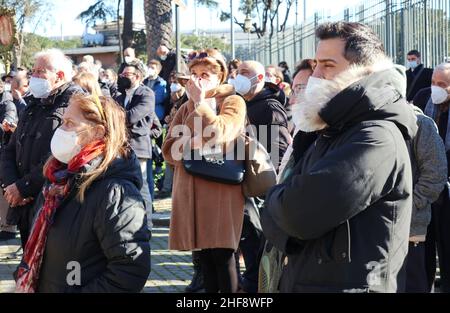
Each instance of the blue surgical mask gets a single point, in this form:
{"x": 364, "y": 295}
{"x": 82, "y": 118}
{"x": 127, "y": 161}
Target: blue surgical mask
{"x": 412, "y": 64}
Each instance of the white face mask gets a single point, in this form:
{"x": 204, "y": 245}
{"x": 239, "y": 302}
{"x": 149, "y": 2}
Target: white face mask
{"x": 7, "y": 87}
{"x": 412, "y": 64}
{"x": 242, "y": 84}
{"x": 438, "y": 94}
{"x": 163, "y": 57}
{"x": 128, "y": 59}
{"x": 64, "y": 145}
{"x": 209, "y": 84}
{"x": 268, "y": 79}
{"x": 316, "y": 85}
{"x": 151, "y": 72}
{"x": 175, "y": 87}
{"x": 39, "y": 87}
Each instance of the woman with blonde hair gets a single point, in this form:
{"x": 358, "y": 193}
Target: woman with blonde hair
{"x": 88, "y": 82}
{"x": 207, "y": 215}
{"x": 90, "y": 230}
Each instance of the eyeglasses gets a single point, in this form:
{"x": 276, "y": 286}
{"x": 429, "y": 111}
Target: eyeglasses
{"x": 298, "y": 89}
{"x": 127, "y": 74}
{"x": 197, "y": 55}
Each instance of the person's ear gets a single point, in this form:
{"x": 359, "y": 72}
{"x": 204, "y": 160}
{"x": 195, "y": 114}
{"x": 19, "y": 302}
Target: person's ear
{"x": 60, "y": 76}
{"x": 100, "y": 132}
{"x": 260, "y": 78}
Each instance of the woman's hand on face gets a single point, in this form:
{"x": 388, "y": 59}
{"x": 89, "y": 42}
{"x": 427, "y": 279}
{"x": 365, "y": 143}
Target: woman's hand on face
{"x": 195, "y": 90}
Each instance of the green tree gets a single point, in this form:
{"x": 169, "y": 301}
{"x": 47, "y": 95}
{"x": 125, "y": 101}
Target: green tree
{"x": 202, "y": 42}
{"x": 34, "y": 43}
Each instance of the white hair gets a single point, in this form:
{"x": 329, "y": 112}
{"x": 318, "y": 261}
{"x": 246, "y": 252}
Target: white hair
{"x": 443, "y": 67}
{"x": 88, "y": 58}
{"x": 56, "y": 61}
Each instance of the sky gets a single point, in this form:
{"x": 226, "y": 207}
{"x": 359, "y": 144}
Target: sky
{"x": 60, "y": 19}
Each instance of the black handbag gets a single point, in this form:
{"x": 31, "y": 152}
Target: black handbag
{"x": 215, "y": 168}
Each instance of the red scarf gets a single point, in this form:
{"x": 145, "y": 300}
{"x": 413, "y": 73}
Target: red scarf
{"x": 54, "y": 193}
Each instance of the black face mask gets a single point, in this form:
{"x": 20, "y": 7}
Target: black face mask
{"x": 123, "y": 83}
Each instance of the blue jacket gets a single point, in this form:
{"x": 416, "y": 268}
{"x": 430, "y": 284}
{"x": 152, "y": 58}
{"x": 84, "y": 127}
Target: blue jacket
{"x": 159, "y": 87}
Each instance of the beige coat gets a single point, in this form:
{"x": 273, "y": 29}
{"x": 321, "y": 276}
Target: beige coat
{"x": 206, "y": 214}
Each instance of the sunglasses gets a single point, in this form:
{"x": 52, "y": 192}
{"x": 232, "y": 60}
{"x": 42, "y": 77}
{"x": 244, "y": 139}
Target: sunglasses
{"x": 197, "y": 55}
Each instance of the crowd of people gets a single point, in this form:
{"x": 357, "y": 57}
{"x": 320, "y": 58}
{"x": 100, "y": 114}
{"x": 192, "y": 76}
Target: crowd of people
{"x": 355, "y": 148}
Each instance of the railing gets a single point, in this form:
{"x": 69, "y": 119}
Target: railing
{"x": 402, "y": 25}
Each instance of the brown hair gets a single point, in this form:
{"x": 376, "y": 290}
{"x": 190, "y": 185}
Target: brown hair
{"x": 213, "y": 59}
{"x": 88, "y": 82}
{"x": 106, "y": 112}
{"x": 234, "y": 64}
{"x": 157, "y": 63}
{"x": 305, "y": 64}
{"x": 362, "y": 45}
{"x": 278, "y": 73}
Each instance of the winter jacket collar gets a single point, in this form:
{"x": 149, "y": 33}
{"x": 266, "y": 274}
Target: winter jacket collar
{"x": 60, "y": 91}
{"x": 358, "y": 94}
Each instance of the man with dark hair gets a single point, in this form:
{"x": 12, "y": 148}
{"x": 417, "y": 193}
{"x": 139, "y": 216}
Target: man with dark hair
{"x": 417, "y": 75}
{"x": 343, "y": 213}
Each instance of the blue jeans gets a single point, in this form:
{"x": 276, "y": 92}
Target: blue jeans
{"x": 145, "y": 193}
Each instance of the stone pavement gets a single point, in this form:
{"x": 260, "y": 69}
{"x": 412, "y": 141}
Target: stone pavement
{"x": 171, "y": 270}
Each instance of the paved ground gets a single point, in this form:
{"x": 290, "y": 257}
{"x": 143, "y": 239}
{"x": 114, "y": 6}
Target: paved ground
{"x": 171, "y": 270}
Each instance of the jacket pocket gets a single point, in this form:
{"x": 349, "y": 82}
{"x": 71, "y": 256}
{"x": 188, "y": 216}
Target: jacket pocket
{"x": 335, "y": 246}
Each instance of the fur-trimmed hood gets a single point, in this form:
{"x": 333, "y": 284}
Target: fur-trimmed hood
{"x": 359, "y": 93}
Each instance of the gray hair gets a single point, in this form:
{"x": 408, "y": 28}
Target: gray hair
{"x": 56, "y": 61}
{"x": 443, "y": 67}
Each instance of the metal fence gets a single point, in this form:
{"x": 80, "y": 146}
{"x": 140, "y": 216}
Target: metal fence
{"x": 402, "y": 25}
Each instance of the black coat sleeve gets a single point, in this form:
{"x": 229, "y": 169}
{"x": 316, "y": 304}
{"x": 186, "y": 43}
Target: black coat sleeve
{"x": 31, "y": 184}
{"x": 120, "y": 225}
{"x": 8, "y": 170}
{"x": 338, "y": 186}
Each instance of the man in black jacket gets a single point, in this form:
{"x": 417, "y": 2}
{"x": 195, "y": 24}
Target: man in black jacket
{"x": 264, "y": 109}
{"x": 343, "y": 215}
{"x": 29, "y": 147}
{"x": 417, "y": 75}
{"x": 269, "y": 120}
{"x": 139, "y": 103}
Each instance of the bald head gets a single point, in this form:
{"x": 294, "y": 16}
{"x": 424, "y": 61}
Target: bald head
{"x": 253, "y": 67}
{"x": 162, "y": 50}
{"x": 255, "y": 72}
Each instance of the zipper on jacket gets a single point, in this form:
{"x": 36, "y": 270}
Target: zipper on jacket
{"x": 349, "y": 241}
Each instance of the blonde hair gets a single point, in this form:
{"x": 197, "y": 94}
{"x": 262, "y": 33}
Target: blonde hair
{"x": 88, "y": 82}
{"x": 106, "y": 112}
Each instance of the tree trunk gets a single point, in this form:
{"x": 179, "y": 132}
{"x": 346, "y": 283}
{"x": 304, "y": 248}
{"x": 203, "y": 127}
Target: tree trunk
{"x": 127, "y": 34}
{"x": 158, "y": 23}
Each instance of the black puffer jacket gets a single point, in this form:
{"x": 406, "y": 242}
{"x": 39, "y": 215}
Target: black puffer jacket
{"x": 107, "y": 235}
{"x": 343, "y": 216}
{"x": 266, "y": 110}
{"x": 22, "y": 159}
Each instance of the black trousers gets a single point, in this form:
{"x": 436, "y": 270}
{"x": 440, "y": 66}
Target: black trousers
{"x": 438, "y": 241}
{"x": 219, "y": 270}
{"x": 251, "y": 246}
{"x": 24, "y": 228}
{"x": 416, "y": 273}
